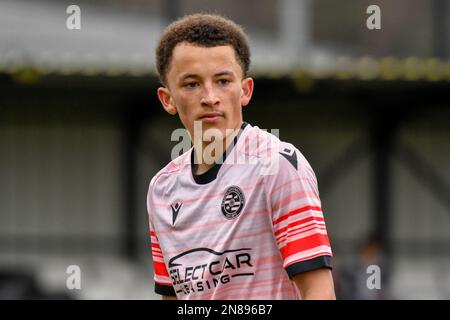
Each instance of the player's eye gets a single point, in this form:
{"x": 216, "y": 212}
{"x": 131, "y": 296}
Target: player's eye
{"x": 224, "y": 82}
{"x": 190, "y": 85}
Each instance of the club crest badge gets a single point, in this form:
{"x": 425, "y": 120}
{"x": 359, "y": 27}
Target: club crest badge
{"x": 233, "y": 202}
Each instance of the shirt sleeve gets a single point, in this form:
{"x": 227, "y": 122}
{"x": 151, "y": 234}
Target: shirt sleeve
{"x": 297, "y": 218}
{"x": 163, "y": 283}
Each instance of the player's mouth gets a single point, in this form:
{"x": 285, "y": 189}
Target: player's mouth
{"x": 210, "y": 117}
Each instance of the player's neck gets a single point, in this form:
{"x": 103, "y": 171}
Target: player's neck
{"x": 202, "y": 168}
{"x": 210, "y": 158}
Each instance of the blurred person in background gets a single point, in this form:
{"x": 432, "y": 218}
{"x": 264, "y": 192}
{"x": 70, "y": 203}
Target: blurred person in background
{"x": 357, "y": 278}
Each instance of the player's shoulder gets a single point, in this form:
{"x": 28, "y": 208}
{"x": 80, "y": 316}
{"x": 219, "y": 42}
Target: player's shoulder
{"x": 171, "y": 169}
{"x": 277, "y": 157}
{"x": 262, "y": 143}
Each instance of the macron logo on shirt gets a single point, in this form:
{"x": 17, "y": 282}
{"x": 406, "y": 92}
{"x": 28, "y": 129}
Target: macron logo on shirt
{"x": 175, "y": 210}
{"x": 291, "y": 156}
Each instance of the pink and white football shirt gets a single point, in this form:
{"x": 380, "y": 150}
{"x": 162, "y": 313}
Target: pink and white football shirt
{"x": 240, "y": 230}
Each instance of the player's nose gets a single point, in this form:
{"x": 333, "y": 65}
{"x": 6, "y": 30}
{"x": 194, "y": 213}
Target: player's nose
{"x": 210, "y": 97}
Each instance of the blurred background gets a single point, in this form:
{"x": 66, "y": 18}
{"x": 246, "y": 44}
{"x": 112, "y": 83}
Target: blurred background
{"x": 82, "y": 133}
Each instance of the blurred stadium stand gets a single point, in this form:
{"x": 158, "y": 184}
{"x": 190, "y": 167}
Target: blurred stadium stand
{"x": 82, "y": 133}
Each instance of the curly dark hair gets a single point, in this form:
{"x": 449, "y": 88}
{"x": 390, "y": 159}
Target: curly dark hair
{"x": 205, "y": 30}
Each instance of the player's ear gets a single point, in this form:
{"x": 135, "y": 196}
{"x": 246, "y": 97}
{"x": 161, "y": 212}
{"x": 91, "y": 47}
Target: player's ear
{"x": 166, "y": 100}
{"x": 247, "y": 91}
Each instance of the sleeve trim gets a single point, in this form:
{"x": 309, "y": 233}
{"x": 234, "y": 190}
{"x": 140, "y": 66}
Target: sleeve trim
{"x": 164, "y": 290}
{"x": 324, "y": 261}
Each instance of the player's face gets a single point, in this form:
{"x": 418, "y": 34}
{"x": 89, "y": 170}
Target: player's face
{"x": 207, "y": 85}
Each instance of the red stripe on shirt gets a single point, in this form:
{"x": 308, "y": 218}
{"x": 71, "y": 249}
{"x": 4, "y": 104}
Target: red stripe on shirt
{"x": 154, "y": 245}
{"x": 290, "y": 233}
{"x": 294, "y": 212}
{"x": 160, "y": 269}
{"x": 157, "y": 255}
{"x": 303, "y": 244}
{"x": 293, "y": 224}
